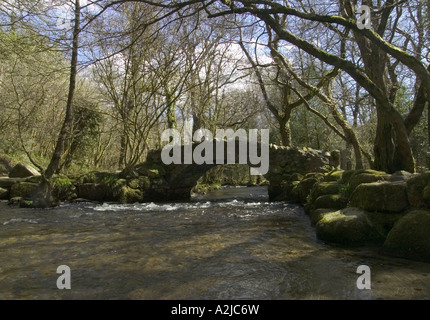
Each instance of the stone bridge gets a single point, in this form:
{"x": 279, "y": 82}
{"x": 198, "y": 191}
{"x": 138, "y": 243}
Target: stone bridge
{"x": 174, "y": 182}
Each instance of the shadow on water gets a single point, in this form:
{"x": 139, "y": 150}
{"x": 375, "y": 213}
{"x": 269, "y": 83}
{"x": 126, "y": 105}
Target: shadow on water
{"x": 225, "y": 245}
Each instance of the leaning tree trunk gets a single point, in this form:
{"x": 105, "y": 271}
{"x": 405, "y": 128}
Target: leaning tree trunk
{"x": 43, "y": 197}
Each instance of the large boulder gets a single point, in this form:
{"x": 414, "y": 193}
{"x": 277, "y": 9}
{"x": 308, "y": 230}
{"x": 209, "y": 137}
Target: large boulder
{"x": 380, "y": 196}
{"x": 330, "y": 201}
{"x": 23, "y": 190}
{"x": 410, "y": 236}
{"x": 303, "y": 188}
{"x": 415, "y": 190}
{"x": 349, "y": 226}
{"x": 22, "y": 170}
{"x": 324, "y": 188}
{"x": 367, "y": 176}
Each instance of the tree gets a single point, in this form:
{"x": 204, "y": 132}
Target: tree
{"x": 392, "y": 146}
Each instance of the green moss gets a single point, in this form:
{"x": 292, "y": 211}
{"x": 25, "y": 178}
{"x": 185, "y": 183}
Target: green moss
{"x": 323, "y": 188}
{"x": 334, "y": 176}
{"x": 130, "y": 195}
{"x": 316, "y": 215}
{"x": 303, "y": 188}
{"x": 380, "y": 196}
{"x": 63, "y": 188}
{"x": 23, "y": 189}
{"x": 334, "y": 201}
{"x": 202, "y": 188}
{"x": 349, "y": 226}
{"x": 410, "y": 236}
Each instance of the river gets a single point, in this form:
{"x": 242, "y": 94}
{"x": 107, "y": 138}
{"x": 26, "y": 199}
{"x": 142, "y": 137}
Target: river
{"x": 229, "y": 244}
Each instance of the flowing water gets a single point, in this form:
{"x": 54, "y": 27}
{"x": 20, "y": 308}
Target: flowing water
{"x": 231, "y": 244}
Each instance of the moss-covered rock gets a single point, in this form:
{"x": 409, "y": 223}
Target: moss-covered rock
{"x": 323, "y": 188}
{"x": 410, "y": 236}
{"x": 415, "y": 190}
{"x": 333, "y": 201}
{"x": 384, "y": 221}
{"x": 315, "y": 215}
{"x": 4, "y": 194}
{"x": 303, "y": 188}
{"x": 401, "y": 176}
{"x": 380, "y": 196}
{"x": 20, "y": 202}
{"x": 349, "y": 226}
{"x": 334, "y": 176}
{"x": 202, "y": 188}
{"x": 134, "y": 183}
{"x": 130, "y": 195}
{"x": 24, "y": 190}
{"x": 367, "y": 177}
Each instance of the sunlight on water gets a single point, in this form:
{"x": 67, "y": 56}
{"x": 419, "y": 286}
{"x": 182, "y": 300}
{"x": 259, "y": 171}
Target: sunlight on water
{"x": 220, "y": 247}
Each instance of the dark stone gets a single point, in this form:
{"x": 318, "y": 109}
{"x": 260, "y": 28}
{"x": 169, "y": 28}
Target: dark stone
{"x": 94, "y": 191}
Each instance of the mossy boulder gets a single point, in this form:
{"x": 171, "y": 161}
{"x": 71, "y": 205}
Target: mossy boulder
{"x": 349, "y": 226}
{"x": 401, "y": 176}
{"x": 24, "y": 190}
{"x": 415, "y": 190}
{"x": 324, "y": 188}
{"x": 333, "y": 201}
{"x": 315, "y": 215}
{"x": 20, "y": 202}
{"x": 380, "y": 196}
{"x": 334, "y": 176}
{"x": 410, "y": 236}
{"x": 303, "y": 188}
{"x": 4, "y": 194}
{"x": 384, "y": 221}
{"x": 367, "y": 177}
{"x": 130, "y": 195}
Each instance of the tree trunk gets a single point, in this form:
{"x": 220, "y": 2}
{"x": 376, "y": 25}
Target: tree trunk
{"x": 285, "y": 131}
{"x": 43, "y": 196}
{"x": 392, "y": 148}
{"x": 67, "y": 127}
{"x": 123, "y": 151}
